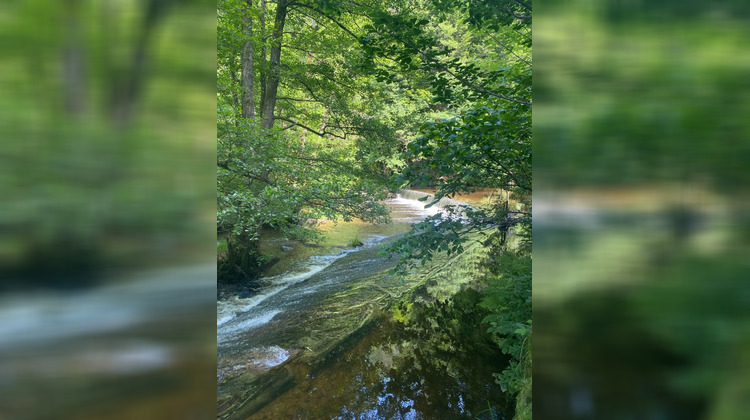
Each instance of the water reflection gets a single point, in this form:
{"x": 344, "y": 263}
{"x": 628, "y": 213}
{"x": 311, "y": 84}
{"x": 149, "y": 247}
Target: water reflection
{"x": 378, "y": 379}
{"x": 345, "y": 360}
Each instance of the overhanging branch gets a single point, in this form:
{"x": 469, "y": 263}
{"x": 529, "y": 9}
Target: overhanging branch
{"x": 524, "y": 4}
{"x": 316, "y": 132}
{"x": 479, "y": 88}
{"x": 325, "y": 15}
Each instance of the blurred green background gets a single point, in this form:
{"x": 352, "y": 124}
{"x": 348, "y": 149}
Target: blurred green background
{"x": 108, "y": 122}
{"x": 641, "y": 227}
{"x": 107, "y": 215}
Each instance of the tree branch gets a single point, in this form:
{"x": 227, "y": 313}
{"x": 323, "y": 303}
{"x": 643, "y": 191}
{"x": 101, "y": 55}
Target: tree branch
{"x": 508, "y": 48}
{"x": 524, "y": 4}
{"x": 318, "y": 133}
{"x": 479, "y": 88}
{"x": 320, "y": 12}
{"x": 285, "y": 98}
{"x": 512, "y": 13}
{"x": 224, "y": 164}
{"x": 510, "y": 174}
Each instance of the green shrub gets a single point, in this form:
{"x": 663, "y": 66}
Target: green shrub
{"x": 508, "y": 298}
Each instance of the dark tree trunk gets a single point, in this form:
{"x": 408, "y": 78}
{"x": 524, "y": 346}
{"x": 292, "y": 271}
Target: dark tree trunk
{"x": 274, "y": 64}
{"x": 127, "y": 88}
{"x": 73, "y": 77}
{"x": 242, "y": 260}
{"x": 248, "y": 68}
{"x": 263, "y": 53}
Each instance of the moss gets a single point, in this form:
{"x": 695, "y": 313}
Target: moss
{"x": 402, "y": 312}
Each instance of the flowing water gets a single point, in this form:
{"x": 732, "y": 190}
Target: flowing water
{"x": 302, "y": 264}
{"x": 138, "y": 343}
{"x": 302, "y": 346}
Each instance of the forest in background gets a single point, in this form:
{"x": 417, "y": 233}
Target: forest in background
{"x": 631, "y": 92}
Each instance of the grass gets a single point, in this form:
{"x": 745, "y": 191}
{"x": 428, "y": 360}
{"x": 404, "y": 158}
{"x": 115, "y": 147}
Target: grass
{"x": 355, "y": 242}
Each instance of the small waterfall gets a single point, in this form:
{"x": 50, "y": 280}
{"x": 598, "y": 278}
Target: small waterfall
{"x": 428, "y": 198}
{"x": 236, "y": 315}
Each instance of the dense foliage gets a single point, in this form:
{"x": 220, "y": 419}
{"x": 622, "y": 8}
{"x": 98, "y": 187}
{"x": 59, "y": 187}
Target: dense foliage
{"x": 299, "y": 135}
{"x": 327, "y": 104}
{"x": 485, "y": 143}
{"x": 508, "y": 297}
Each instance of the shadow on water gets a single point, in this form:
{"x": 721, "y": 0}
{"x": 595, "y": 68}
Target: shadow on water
{"x": 386, "y": 376}
{"x": 322, "y": 342}
{"x": 595, "y": 357}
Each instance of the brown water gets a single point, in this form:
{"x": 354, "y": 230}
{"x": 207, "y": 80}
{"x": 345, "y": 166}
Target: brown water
{"x": 139, "y": 346}
{"x": 477, "y": 197}
{"x": 316, "y": 342}
{"x": 383, "y": 377}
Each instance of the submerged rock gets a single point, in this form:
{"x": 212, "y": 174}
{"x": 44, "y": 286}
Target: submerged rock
{"x": 286, "y": 248}
{"x": 246, "y": 294}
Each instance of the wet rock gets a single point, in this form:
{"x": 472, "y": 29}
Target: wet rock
{"x": 286, "y": 248}
{"x": 245, "y": 294}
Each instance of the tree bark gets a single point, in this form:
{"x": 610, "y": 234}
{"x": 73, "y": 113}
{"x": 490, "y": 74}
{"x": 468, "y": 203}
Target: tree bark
{"x": 274, "y": 64}
{"x": 248, "y": 67}
{"x": 263, "y": 53}
{"x": 325, "y": 120}
{"x": 73, "y": 78}
{"x": 128, "y": 88}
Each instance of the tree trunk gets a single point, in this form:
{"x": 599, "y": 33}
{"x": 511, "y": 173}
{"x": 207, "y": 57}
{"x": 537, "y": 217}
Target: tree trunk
{"x": 73, "y": 78}
{"x": 248, "y": 67}
{"x": 242, "y": 261}
{"x": 263, "y": 55}
{"x": 128, "y": 88}
{"x": 274, "y": 64}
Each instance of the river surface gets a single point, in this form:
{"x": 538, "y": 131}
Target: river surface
{"x": 138, "y": 343}
{"x": 284, "y": 290}
{"x": 316, "y": 341}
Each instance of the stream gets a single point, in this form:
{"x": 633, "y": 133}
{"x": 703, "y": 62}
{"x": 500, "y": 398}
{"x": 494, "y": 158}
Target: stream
{"x": 141, "y": 342}
{"x": 318, "y": 340}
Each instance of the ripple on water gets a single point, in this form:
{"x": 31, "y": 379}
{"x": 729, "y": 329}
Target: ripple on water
{"x": 255, "y": 361}
{"x": 229, "y": 309}
{"x": 269, "y": 357}
{"x": 229, "y": 330}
